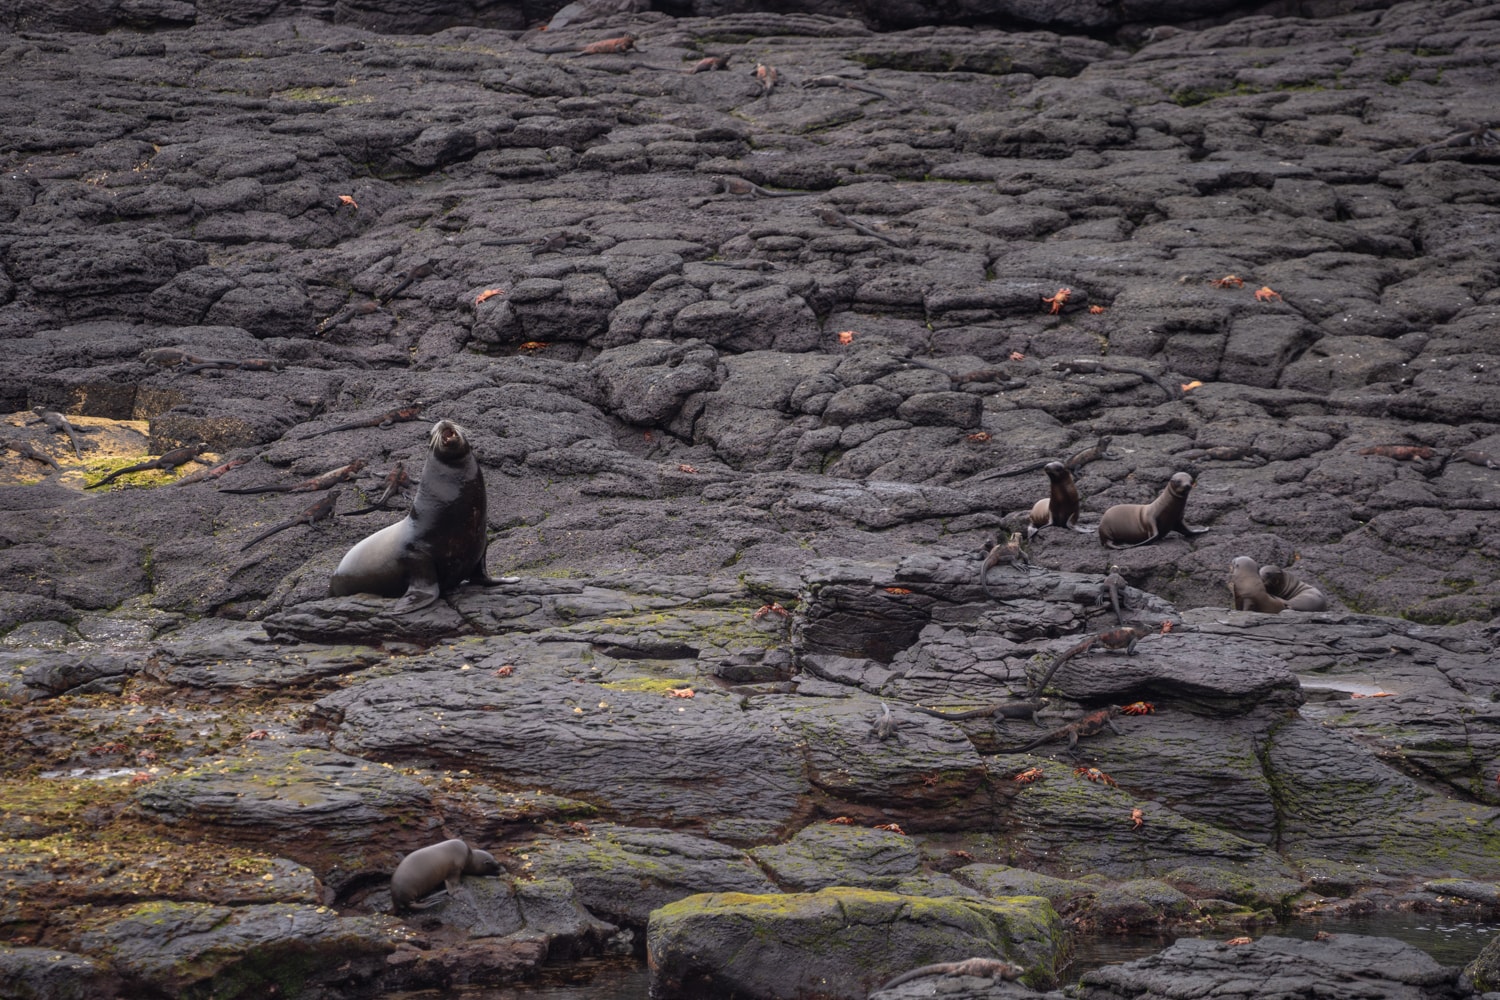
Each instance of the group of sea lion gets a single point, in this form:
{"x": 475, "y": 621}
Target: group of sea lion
{"x": 1268, "y": 589}
{"x": 1125, "y": 524}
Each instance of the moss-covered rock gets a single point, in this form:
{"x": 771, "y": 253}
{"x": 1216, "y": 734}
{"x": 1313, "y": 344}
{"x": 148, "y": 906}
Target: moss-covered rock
{"x": 838, "y": 942}
{"x": 197, "y": 950}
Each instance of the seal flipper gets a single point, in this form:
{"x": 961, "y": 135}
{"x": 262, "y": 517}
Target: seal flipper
{"x": 482, "y": 577}
{"x": 420, "y": 592}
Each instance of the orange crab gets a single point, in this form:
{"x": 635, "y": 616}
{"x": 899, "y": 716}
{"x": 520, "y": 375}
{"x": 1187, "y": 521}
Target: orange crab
{"x": 842, "y": 821}
{"x": 1137, "y": 818}
{"x": 846, "y": 336}
{"x": 257, "y": 734}
{"x": 107, "y": 748}
{"x": 1265, "y": 294}
{"x": 681, "y": 693}
{"x": 978, "y": 437}
{"x": 891, "y": 828}
{"x": 689, "y": 469}
{"x": 534, "y": 345}
{"x": 505, "y": 671}
{"x": 1096, "y": 310}
{"x": 1017, "y": 356}
{"x": 1032, "y": 774}
{"x": 1228, "y": 281}
{"x": 1166, "y": 627}
{"x": 770, "y": 609}
{"x": 1139, "y": 708}
{"x": 1057, "y": 300}
{"x": 1095, "y": 775}
{"x": 348, "y": 199}
{"x": 1236, "y": 942}
{"x": 898, "y": 591}
{"x": 488, "y": 293}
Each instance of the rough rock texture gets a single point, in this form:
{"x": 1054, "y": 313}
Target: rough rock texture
{"x": 735, "y": 944}
{"x": 754, "y": 377}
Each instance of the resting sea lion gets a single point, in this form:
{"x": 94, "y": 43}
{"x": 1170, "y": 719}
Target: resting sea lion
{"x": 422, "y": 871}
{"x": 1127, "y": 524}
{"x": 1298, "y": 593}
{"x": 438, "y": 545}
{"x": 1247, "y": 592}
{"x": 1061, "y": 507}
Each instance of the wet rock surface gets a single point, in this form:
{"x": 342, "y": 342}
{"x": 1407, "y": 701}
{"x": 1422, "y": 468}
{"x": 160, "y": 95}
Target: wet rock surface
{"x": 755, "y": 376}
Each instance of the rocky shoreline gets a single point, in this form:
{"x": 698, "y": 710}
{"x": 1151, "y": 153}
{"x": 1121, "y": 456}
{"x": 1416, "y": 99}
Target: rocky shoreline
{"x": 756, "y": 365}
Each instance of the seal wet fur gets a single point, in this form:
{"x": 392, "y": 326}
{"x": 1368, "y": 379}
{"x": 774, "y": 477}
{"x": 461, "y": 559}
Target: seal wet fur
{"x": 438, "y": 545}
{"x": 423, "y": 871}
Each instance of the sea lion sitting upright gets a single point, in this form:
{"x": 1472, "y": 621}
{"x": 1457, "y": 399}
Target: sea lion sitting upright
{"x": 1128, "y": 524}
{"x": 422, "y": 871}
{"x": 1061, "y": 507}
{"x": 1298, "y": 593}
{"x": 438, "y": 545}
{"x": 1246, "y": 592}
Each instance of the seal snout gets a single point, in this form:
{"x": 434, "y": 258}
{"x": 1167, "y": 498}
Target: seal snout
{"x": 447, "y": 439}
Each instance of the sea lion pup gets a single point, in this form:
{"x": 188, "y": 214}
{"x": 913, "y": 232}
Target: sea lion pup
{"x": 1247, "y": 592}
{"x": 438, "y": 545}
{"x": 422, "y": 871}
{"x": 1061, "y": 507}
{"x": 1128, "y": 524}
{"x": 1298, "y": 593}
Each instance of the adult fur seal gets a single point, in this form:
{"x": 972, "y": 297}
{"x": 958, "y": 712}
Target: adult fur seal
{"x": 1247, "y": 592}
{"x": 1298, "y": 593}
{"x": 1061, "y": 507}
{"x": 422, "y": 871}
{"x": 1128, "y": 524}
{"x": 438, "y": 545}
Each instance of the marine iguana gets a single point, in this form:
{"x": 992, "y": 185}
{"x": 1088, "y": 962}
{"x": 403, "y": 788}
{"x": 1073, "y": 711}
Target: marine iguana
{"x": 1092, "y": 724}
{"x": 833, "y": 218}
{"x": 166, "y": 461}
{"x": 317, "y": 512}
{"x": 1120, "y": 638}
{"x": 990, "y": 968}
{"x": 395, "y": 482}
{"x": 400, "y": 415}
{"x": 59, "y": 424}
{"x": 1002, "y": 710}
{"x": 330, "y": 478}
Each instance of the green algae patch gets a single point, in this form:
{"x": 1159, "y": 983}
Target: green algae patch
{"x": 650, "y": 685}
{"x": 40, "y": 876}
{"x": 839, "y": 942}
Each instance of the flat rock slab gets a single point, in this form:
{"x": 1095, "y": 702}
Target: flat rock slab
{"x": 196, "y": 947}
{"x": 1341, "y": 965}
{"x": 627, "y": 872}
{"x": 828, "y": 941}
{"x": 643, "y": 755}
{"x": 315, "y": 806}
